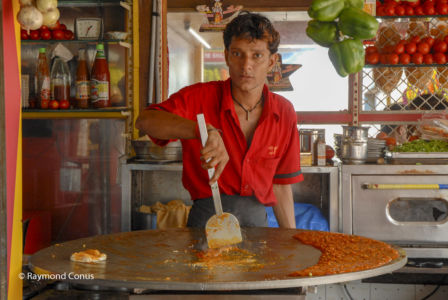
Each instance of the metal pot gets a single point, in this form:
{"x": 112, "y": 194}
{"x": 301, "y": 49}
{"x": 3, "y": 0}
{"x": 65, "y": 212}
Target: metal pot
{"x": 354, "y": 144}
{"x": 308, "y": 137}
{"x": 149, "y": 150}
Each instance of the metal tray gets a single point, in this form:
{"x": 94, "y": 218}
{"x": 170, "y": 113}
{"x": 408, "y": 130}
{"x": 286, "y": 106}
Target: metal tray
{"x": 162, "y": 260}
{"x": 404, "y": 158}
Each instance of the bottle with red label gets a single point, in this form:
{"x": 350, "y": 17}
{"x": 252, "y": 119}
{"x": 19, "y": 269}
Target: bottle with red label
{"x": 100, "y": 80}
{"x": 82, "y": 81}
{"x": 42, "y": 80}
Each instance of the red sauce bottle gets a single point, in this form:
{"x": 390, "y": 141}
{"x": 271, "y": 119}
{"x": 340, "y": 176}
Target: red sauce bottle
{"x": 42, "y": 80}
{"x": 82, "y": 81}
{"x": 100, "y": 80}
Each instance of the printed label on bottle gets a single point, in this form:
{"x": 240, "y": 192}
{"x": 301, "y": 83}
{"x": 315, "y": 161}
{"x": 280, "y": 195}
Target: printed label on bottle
{"x": 99, "y": 90}
{"x": 45, "y": 89}
{"x": 82, "y": 90}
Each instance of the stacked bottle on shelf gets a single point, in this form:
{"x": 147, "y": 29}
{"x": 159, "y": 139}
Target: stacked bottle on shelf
{"x": 52, "y": 89}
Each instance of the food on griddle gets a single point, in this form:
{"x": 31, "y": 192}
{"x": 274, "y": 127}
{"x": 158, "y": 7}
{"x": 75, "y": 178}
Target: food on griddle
{"x": 423, "y": 146}
{"x": 342, "y": 253}
{"x": 229, "y": 256}
{"x": 89, "y": 255}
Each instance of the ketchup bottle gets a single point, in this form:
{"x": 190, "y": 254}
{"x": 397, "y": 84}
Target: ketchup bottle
{"x": 82, "y": 81}
{"x": 42, "y": 80}
{"x": 100, "y": 80}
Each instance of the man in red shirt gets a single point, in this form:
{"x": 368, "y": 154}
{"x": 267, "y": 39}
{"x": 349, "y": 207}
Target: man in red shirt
{"x": 253, "y": 141}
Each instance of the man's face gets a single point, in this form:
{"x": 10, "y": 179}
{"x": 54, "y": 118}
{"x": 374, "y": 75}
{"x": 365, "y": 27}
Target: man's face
{"x": 249, "y": 62}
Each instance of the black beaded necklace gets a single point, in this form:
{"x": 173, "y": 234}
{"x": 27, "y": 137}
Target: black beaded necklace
{"x": 250, "y": 109}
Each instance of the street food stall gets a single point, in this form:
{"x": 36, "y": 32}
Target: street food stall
{"x": 78, "y": 177}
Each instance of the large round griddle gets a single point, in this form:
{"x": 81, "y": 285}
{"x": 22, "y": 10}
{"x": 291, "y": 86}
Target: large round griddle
{"x": 164, "y": 260}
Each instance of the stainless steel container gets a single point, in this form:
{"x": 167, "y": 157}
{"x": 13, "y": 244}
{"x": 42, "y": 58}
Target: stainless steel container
{"x": 308, "y": 137}
{"x": 354, "y": 144}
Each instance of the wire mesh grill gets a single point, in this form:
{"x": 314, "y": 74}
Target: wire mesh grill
{"x": 404, "y": 88}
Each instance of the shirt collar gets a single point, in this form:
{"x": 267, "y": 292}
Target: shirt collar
{"x": 268, "y": 107}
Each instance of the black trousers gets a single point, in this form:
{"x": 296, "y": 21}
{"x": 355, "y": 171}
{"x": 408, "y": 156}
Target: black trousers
{"x": 247, "y": 209}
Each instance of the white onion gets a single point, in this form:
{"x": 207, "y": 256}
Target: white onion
{"x": 30, "y": 18}
{"x": 26, "y": 2}
{"x": 50, "y": 17}
{"x": 46, "y": 5}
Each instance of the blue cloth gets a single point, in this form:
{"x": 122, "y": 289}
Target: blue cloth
{"x": 307, "y": 216}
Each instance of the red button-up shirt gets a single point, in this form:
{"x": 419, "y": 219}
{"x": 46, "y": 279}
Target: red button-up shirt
{"x": 273, "y": 156}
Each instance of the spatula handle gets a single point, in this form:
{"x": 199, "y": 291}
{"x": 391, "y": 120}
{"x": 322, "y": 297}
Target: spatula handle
{"x": 215, "y": 189}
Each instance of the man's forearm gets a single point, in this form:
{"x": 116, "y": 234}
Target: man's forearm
{"x": 165, "y": 125}
{"x": 284, "y": 210}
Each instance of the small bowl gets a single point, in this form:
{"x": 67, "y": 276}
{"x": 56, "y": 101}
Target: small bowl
{"x": 117, "y": 35}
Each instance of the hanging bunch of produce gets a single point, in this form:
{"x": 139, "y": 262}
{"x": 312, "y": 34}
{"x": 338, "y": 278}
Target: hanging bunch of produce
{"x": 33, "y": 14}
{"x": 341, "y": 26}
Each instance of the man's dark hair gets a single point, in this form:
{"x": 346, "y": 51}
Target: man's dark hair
{"x": 252, "y": 26}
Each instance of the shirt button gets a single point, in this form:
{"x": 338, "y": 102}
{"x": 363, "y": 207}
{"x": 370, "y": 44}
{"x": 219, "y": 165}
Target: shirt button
{"x": 247, "y": 160}
{"x": 246, "y": 187}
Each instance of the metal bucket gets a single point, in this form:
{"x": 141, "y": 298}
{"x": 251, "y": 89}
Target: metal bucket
{"x": 308, "y": 137}
{"x": 354, "y": 144}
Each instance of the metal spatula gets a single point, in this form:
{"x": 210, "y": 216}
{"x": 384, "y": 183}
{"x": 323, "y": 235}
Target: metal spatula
{"x": 223, "y": 228}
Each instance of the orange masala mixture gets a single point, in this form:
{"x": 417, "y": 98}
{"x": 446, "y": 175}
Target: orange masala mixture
{"x": 343, "y": 253}
{"x": 229, "y": 256}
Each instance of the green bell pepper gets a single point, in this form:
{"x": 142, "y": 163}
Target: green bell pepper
{"x": 347, "y": 56}
{"x": 355, "y": 3}
{"x": 357, "y": 23}
{"x": 322, "y": 33}
{"x": 325, "y": 10}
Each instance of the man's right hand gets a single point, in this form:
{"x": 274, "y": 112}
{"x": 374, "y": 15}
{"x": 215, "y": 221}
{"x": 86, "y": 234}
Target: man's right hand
{"x": 216, "y": 151}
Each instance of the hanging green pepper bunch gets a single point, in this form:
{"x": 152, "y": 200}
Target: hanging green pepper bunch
{"x": 341, "y": 26}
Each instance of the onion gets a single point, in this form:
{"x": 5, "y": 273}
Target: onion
{"x": 26, "y": 2}
{"x": 30, "y": 18}
{"x": 46, "y": 5}
{"x": 50, "y": 17}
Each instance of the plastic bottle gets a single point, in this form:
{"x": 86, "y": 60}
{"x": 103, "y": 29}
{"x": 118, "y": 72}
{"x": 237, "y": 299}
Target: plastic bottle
{"x": 60, "y": 82}
{"x": 42, "y": 80}
{"x": 82, "y": 81}
{"x": 100, "y": 80}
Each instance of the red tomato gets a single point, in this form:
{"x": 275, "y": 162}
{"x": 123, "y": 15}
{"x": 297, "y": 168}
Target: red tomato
{"x": 400, "y": 10}
{"x": 415, "y": 39}
{"x": 45, "y": 34}
{"x": 381, "y": 136}
{"x": 34, "y": 35}
{"x": 445, "y": 39}
{"x": 54, "y": 104}
{"x": 429, "y": 40}
{"x": 442, "y": 8}
{"x": 429, "y": 9}
{"x": 414, "y": 3}
{"x": 55, "y": 25}
{"x": 43, "y": 27}
{"x": 410, "y": 48}
{"x": 440, "y": 46}
{"x": 372, "y": 58}
{"x": 383, "y": 59}
{"x": 418, "y": 10}
{"x": 393, "y": 59}
{"x": 57, "y": 34}
{"x": 380, "y": 11}
{"x": 389, "y": 9}
{"x": 405, "y": 58}
{"x": 23, "y": 34}
{"x": 417, "y": 58}
{"x": 413, "y": 138}
{"x": 423, "y": 48}
{"x": 399, "y": 48}
{"x": 44, "y": 104}
{"x": 391, "y": 141}
{"x": 68, "y": 35}
{"x": 439, "y": 58}
{"x": 441, "y": 1}
{"x": 371, "y": 49}
{"x": 427, "y": 59}
{"x": 62, "y": 27}
{"x": 409, "y": 10}
{"x": 329, "y": 152}
{"x": 64, "y": 104}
